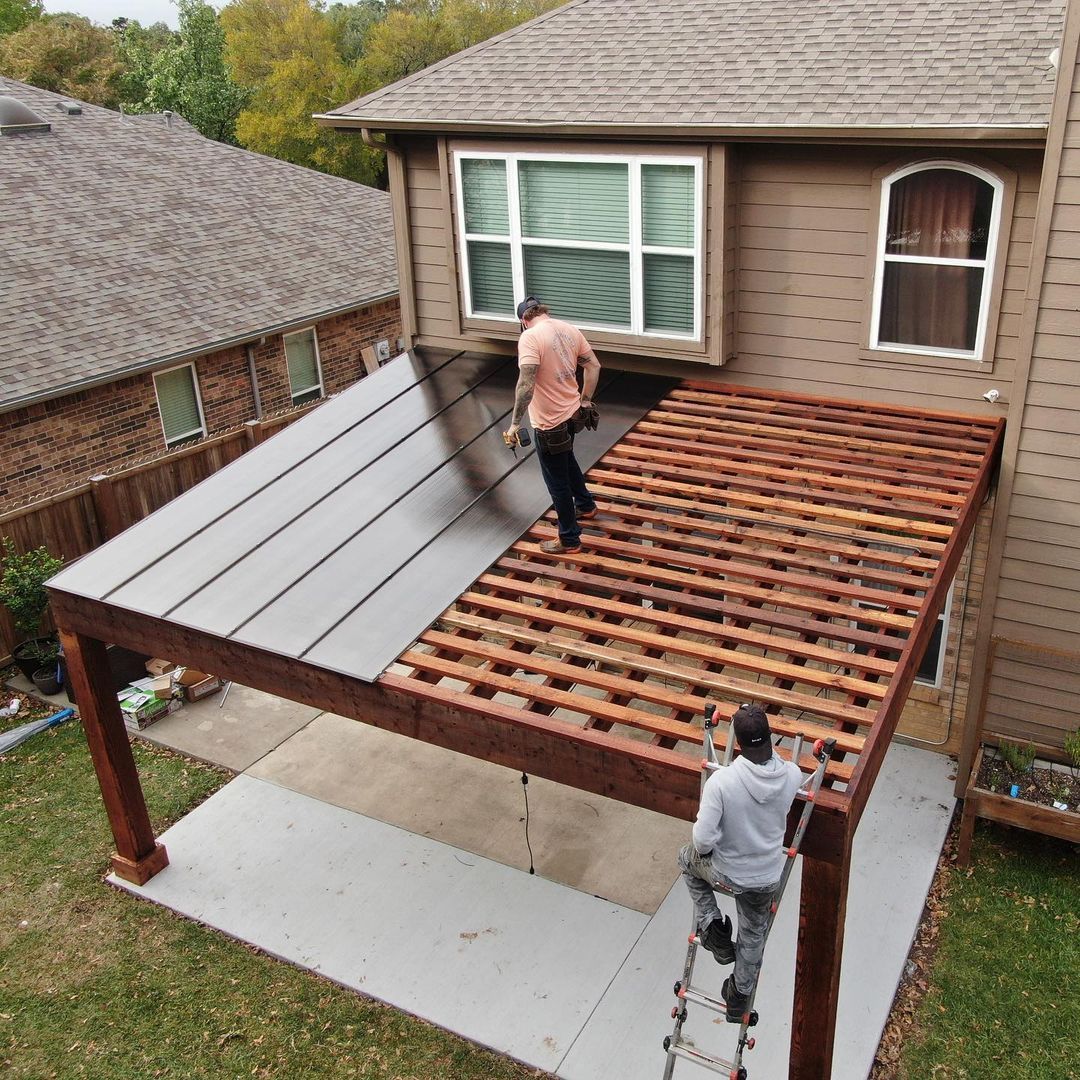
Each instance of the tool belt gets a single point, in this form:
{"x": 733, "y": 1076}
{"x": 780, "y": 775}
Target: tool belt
{"x": 588, "y": 416}
{"x": 556, "y": 440}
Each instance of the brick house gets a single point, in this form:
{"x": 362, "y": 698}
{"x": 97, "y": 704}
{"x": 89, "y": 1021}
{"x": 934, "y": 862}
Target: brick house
{"x": 161, "y": 287}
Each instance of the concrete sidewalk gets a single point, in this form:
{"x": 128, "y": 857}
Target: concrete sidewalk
{"x": 398, "y": 869}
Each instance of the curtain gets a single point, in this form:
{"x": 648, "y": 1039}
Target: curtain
{"x": 939, "y": 213}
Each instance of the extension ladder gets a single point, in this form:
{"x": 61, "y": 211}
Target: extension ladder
{"x": 675, "y": 1044}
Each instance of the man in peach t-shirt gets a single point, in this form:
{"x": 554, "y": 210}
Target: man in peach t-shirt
{"x": 549, "y": 353}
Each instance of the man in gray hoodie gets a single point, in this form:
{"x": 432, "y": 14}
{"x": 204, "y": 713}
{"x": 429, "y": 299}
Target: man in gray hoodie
{"x": 738, "y": 844}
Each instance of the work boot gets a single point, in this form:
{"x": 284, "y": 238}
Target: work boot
{"x": 736, "y": 1003}
{"x": 587, "y": 515}
{"x": 717, "y": 939}
{"x": 557, "y": 547}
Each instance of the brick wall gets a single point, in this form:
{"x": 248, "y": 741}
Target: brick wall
{"x": 54, "y": 444}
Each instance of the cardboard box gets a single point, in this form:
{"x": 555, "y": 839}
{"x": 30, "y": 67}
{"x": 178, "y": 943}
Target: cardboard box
{"x": 197, "y": 684}
{"x": 157, "y": 666}
{"x": 141, "y": 708}
{"x": 162, "y": 686}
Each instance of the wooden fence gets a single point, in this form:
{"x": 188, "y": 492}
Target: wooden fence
{"x": 78, "y": 519}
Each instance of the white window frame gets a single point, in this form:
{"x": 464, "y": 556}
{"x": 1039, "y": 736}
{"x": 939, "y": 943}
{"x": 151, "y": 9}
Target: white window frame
{"x": 200, "y": 431}
{"x": 318, "y": 362}
{"x": 988, "y": 265}
{"x": 636, "y": 247}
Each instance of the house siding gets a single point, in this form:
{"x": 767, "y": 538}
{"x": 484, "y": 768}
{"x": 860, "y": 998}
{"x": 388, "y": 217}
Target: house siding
{"x": 53, "y": 444}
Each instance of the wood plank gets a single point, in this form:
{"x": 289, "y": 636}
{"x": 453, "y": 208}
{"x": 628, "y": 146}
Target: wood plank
{"x": 679, "y": 620}
{"x": 737, "y": 690}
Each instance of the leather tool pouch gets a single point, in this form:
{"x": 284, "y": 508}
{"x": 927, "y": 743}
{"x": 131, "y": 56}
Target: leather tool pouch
{"x": 557, "y": 440}
{"x": 586, "y": 417}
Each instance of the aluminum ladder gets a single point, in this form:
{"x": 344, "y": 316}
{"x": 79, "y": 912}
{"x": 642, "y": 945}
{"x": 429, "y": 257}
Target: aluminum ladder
{"x": 675, "y": 1045}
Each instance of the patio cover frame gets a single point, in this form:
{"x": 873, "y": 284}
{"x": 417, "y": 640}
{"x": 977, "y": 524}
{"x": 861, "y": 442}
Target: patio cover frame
{"x": 790, "y": 490}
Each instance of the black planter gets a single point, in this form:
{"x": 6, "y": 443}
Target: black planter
{"x": 46, "y": 681}
{"x": 27, "y": 654}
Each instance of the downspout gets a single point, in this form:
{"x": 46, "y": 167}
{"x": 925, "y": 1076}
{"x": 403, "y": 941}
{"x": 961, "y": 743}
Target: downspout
{"x": 399, "y": 200}
{"x": 254, "y": 377}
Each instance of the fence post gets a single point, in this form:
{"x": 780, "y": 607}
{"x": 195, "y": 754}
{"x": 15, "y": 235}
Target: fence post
{"x": 106, "y": 507}
{"x": 253, "y": 429}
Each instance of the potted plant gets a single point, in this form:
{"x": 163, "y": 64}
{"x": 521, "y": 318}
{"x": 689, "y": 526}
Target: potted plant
{"x": 22, "y": 592}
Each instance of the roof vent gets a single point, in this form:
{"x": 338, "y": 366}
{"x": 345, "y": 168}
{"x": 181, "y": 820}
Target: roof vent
{"x": 15, "y": 117}
{"x": 70, "y": 108}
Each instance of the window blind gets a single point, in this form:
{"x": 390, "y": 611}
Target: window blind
{"x": 178, "y": 404}
{"x": 484, "y": 191}
{"x": 491, "y": 278}
{"x": 302, "y": 362}
{"x": 667, "y": 205}
{"x": 669, "y": 293}
{"x": 581, "y": 285}
{"x": 575, "y": 200}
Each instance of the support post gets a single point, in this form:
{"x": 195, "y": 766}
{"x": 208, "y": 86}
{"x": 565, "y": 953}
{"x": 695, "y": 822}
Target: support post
{"x": 822, "y": 908}
{"x": 138, "y": 856}
{"x": 253, "y": 432}
{"x": 106, "y": 506}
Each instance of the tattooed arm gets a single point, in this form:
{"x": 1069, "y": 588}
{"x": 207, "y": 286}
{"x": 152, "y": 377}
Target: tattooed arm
{"x": 522, "y": 396}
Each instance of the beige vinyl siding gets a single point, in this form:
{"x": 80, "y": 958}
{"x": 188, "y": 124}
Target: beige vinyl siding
{"x": 807, "y": 220}
{"x": 1032, "y": 695}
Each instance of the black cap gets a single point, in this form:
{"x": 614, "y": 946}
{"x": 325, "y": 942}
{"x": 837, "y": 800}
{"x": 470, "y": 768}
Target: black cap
{"x": 753, "y": 733}
{"x": 528, "y": 302}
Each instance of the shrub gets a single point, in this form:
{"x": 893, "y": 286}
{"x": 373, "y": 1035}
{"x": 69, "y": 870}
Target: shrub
{"x": 22, "y": 585}
{"x": 1072, "y": 748}
{"x": 1018, "y": 758}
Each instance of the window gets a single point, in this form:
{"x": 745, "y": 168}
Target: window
{"x": 608, "y": 242}
{"x": 302, "y": 358}
{"x": 179, "y": 404}
{"x": 935, "y": 259}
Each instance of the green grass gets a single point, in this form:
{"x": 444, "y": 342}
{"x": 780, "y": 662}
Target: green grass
{"x": 94, "y": 983}
{"x": 1004, "y": 994}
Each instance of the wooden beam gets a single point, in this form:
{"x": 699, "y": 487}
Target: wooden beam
{"x": 822, "y": 912}
{"x": 138, "y": 856}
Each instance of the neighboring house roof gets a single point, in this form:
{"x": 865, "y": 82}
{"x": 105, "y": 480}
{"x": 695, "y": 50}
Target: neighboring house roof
{"x": 129, "y": 242}
{"x": 741, "y": 64}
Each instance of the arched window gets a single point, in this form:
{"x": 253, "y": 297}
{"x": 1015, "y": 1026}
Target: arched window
{"x": 935, "y": 259}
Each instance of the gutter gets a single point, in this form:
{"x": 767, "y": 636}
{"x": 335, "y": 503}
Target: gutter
{"x": 11, "y": 404}
{"x": 921, "y": 132}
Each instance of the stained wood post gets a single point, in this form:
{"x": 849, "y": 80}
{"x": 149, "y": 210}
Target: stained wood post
{"x": 253, "y": 431}
{"x": 138, "y": 856}
{"x": 822, "y": 908}
{"x": 106, "y": 507}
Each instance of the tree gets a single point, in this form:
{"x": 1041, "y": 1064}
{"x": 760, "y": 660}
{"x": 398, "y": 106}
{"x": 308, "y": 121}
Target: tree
{"x": 190, "y": 76}
{"x": 286, "y": 54}
{"x": 15, "y": 14}
{"x": 66, "y": 54}
{"x": 352, "y": 25}
{"x": 136, "y": 48}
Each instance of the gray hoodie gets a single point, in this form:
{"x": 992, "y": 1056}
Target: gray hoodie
{"x": 741, "y": 820}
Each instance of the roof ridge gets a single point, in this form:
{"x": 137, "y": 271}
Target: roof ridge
{"x": 453, "y": 58}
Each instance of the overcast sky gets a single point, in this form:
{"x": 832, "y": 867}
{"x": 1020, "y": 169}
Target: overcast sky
{"x": 104, "y": 11}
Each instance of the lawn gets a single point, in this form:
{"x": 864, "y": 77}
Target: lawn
{"x": 95, "y": 983}
{"x": 1003, "y": 997}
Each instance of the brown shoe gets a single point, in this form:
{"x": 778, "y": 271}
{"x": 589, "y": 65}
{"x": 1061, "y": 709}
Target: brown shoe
{"x": 587, "y": 515}
{"x": 557, "y": 547}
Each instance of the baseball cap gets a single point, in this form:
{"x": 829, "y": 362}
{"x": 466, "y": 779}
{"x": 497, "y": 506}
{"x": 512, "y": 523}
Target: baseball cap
{"x": 752, "y": 732}
{"x": 528, "y": 302}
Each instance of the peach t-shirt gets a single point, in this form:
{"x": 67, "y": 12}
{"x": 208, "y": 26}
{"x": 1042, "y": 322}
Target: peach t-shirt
{"x": 555, "y": 346}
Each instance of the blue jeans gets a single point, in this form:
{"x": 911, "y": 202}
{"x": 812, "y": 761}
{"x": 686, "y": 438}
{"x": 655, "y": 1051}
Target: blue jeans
{"x": 566, "y": 486}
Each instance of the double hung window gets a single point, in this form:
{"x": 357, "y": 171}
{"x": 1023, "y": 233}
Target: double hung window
{"x": 607, "y": 242}
{"x": 305, "y": 373}
{"x": 935, "y": 257}
{"x": 179, "y": 404}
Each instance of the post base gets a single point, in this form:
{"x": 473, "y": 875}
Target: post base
{"x": 140, "y": 871}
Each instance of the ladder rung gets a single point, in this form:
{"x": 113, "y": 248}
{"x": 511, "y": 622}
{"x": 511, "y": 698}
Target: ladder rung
{"x": 696, "y": 997}
{"x": 692, "y": 1053}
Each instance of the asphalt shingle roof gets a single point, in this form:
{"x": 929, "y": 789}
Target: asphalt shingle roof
{"x": 765, "y": 63}
{"x": 126, "y": 241}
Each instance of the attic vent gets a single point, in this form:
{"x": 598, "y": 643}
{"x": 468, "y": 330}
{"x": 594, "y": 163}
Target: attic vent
{"x": 15, "y": 117}
{"x": 71, "y": 108}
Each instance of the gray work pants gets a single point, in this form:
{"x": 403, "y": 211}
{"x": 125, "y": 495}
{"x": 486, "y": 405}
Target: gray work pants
{"x": 751, "y": 908}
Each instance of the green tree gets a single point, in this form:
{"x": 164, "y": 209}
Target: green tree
{"x": 136, "y": 48}
{"x": 15, "y": 14}
{"x": 352, "y": 25}
{"x": 66, "y": 54}
{"x": 286, "y": 54}
{"x": 190, "y": 76}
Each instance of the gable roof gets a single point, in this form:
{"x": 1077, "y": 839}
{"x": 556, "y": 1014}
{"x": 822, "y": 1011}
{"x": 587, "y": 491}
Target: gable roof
{"x": 130, "y": 242}
{"x": 740, "y": 65}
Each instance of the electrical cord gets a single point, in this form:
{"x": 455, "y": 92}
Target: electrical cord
{"x": 525, "y": 791}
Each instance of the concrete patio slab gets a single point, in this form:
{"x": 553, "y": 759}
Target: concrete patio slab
{"x": 610, "y": 849}
{"x": 508, "y": 960}
{"x": 559, "y": 979}
{"x": 237, "y": 734}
